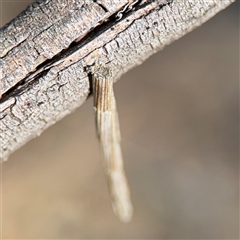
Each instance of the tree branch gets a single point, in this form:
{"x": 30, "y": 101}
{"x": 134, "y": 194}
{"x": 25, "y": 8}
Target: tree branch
{"x": 45, "y": 51}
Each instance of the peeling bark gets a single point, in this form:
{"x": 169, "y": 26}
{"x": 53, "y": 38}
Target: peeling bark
{"x": 45, "y": 50}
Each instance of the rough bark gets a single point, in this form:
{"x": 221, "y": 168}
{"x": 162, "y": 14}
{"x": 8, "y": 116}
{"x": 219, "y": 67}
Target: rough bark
{"x": 45, "y": 50}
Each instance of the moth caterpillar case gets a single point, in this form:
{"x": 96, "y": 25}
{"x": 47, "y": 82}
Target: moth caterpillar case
{"x": 108, "y": 132}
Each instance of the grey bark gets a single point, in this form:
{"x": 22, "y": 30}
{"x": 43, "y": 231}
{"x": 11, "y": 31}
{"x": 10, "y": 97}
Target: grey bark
{"x": 44, "y": 52}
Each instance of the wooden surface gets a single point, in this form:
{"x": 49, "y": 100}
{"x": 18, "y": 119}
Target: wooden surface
{"x": 46, "y": 49}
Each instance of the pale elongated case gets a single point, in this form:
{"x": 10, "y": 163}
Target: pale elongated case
{"x": 108, "y": 132}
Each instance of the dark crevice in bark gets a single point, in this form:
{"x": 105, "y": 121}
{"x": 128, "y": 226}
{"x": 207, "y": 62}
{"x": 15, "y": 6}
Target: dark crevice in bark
{"x": 43, "y": 68}
{"x": 101, "y": 5}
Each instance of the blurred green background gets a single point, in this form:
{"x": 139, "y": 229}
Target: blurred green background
{"x": 179, "y": 116}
